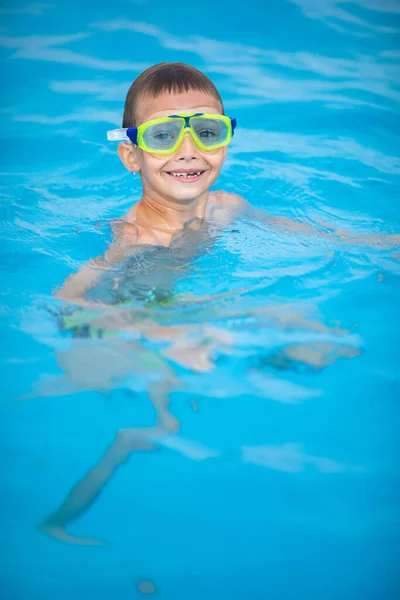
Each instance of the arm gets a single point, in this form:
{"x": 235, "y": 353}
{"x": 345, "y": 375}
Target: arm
{"x": 323, "y": 229}
{"x": 77, "y": 284}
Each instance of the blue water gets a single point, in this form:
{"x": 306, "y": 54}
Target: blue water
{"x": 283, "y": 480}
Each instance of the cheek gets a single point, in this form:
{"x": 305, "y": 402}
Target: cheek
{"x": 149, "y": 164}
{"x": 217, "y": 159}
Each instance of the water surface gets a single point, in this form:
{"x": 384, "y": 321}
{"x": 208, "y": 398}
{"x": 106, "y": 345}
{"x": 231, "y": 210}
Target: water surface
{"x": 277, "y": 348}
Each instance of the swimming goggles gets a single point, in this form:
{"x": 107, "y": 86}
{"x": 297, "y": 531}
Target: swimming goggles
{"x": 165, "y": 135}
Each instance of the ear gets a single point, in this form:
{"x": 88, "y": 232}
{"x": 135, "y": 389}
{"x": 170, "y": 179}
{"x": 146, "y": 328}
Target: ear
{"x": 128, "y": 156}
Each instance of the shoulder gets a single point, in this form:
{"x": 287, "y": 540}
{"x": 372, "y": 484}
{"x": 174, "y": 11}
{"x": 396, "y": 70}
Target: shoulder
{"x": 130, "y": 235}
{"x": 125, "y": 233}
{"x": 229, "y": 200}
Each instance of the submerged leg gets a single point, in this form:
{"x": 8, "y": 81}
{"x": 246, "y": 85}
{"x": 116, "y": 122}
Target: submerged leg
{"x": 86, "y": 491}
{"x": 159, "y": 395}
{"x": 127, "y": 441}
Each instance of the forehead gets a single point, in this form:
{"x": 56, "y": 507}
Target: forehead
{"x": 172, "y": 103}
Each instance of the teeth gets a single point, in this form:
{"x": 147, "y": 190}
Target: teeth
{"x": 186, "y": 175}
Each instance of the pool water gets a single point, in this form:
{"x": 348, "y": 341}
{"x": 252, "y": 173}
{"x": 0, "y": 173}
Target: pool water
{"x": 274, "y": 471}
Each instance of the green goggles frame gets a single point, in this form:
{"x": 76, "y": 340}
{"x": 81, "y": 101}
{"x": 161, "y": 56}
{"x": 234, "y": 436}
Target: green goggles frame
{"x": 137, "y": 134}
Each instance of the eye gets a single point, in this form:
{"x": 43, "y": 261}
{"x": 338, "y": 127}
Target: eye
{"x": 162, "y": 136}
{"x": 207, "y": 134}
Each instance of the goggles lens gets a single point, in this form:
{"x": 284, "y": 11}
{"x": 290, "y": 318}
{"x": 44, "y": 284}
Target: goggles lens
{"x": 211, "y": 131}
{"x": 161, "y": 136}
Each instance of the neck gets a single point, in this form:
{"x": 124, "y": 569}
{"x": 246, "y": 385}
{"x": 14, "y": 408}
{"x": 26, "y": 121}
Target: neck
{"x": 165, "y": 214}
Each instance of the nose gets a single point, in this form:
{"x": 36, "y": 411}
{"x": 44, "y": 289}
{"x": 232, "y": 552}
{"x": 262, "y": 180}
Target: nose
{"x": 188, "y": 149}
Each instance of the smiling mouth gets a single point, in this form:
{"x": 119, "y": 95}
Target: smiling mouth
{"x": 186, "y": 176}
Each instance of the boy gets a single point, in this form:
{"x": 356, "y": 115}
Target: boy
{"x": 178, "y": 158}
{"x": 175, "y": 136}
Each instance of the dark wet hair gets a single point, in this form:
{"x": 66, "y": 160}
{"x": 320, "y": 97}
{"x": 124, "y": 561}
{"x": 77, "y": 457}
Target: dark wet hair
{"x": 165, "y": 77}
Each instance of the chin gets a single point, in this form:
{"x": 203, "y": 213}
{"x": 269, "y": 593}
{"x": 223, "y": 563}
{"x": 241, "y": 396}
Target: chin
{"x": 187, "y": 195}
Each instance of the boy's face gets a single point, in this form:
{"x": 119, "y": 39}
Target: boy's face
{"x": 157, "y": 170}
